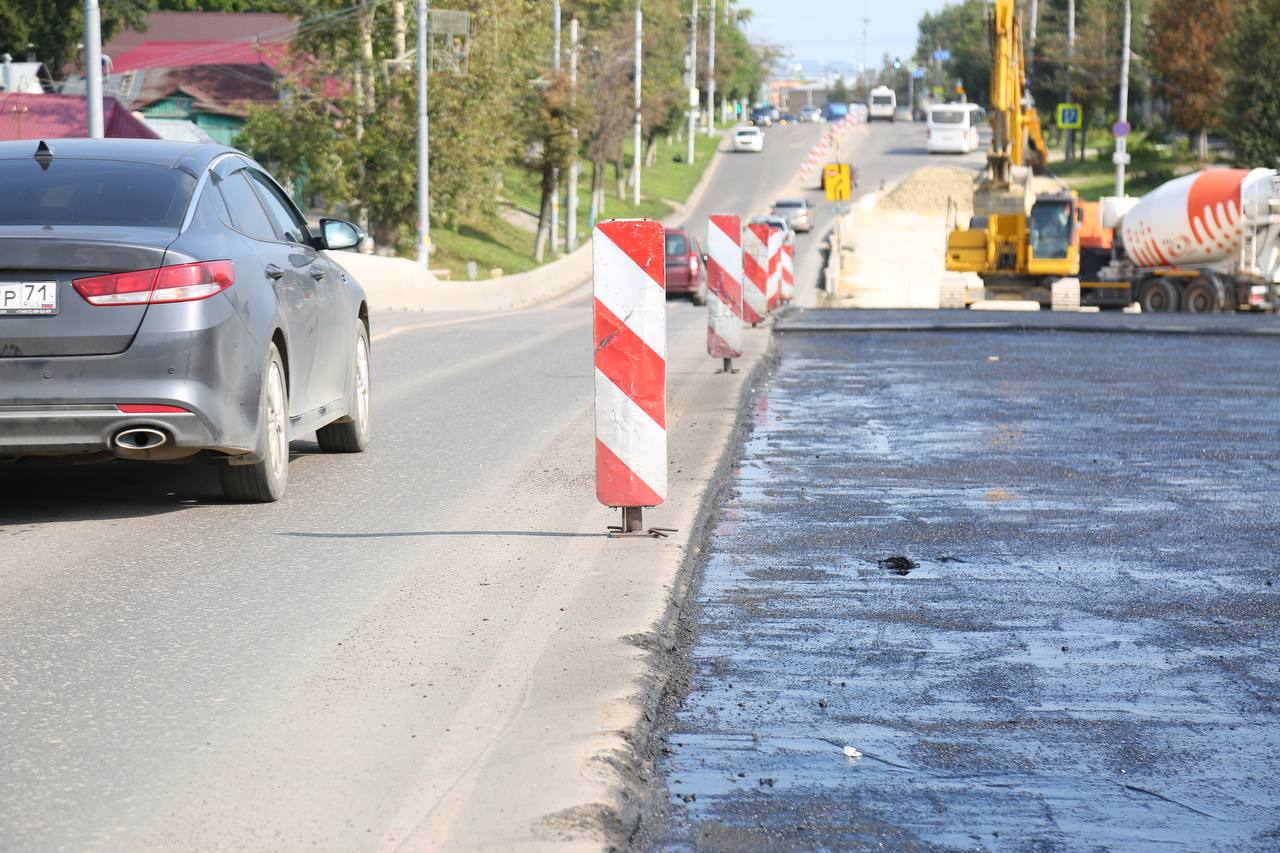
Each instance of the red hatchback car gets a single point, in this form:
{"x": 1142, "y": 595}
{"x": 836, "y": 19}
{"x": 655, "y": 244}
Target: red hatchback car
{"x": 686, "y": 266}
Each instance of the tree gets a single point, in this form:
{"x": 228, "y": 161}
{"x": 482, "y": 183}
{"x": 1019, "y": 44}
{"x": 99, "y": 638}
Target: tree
{"x": 1252, "y": 105}
{"x": 1186, "y": 39}
{"x": 962, "y": 30}
{"x": 55, "y": 28}
{"x": 839, "y": 92}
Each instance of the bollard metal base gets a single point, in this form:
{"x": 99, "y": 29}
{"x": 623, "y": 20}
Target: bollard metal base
{"x": 633, "y": 525}
{"x": 728, "y": 367}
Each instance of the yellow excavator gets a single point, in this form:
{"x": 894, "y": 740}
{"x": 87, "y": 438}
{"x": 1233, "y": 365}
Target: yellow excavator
{"x": 1018, "y": 240}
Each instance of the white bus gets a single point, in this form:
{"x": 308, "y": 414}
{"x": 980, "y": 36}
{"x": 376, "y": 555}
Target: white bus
{"x": 954, "y": 128}
{"x": 882, "y": 103}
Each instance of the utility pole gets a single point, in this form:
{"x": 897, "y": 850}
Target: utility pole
{"x": 555, "y": 170}
{"x": 1031, "y": 36}
{"x": 424, "y": 150}
{"x": 571, "y": 201}
{"x": 693, "y": 79}
{"x": 93, "y": 69}
{"x": 711, "y": 73}
{"x": 1071, "y": 58}
{"x": 635, "y": 154}
{"x": 1122, "y": 154}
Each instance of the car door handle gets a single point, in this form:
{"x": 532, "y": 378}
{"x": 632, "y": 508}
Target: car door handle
{"x": 274, "y": 272}
{"x": 317, "y": 273}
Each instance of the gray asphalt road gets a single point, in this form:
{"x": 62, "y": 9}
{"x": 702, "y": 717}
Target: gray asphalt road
{"x": 993, "y": 591}
{"x": 177, "y": 672}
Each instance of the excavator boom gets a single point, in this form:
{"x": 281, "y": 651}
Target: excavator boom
{"x": 1017, "y": 241}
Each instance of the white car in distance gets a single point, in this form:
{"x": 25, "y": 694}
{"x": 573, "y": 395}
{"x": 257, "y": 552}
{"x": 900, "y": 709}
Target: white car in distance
{"x": 748, "y": 139}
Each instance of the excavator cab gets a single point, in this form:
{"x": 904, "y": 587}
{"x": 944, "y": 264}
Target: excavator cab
{"x": 1050, "y": 226}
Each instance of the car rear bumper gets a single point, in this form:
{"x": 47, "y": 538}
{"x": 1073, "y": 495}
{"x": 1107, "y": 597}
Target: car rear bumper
{"x": 197, "y": 356}
{"x": 57, "y": 430}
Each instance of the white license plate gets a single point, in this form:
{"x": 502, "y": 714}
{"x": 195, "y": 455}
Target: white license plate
{"x": 28, "y": 297}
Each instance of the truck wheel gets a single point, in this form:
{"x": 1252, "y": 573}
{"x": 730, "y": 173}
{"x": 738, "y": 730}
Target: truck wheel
{"x": 1202, "y": 296}
{"x": 1157, "y": 295}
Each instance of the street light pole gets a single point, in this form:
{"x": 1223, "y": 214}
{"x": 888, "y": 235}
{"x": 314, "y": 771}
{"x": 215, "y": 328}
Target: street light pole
{"x": 1071, "y": 58}
{"x": 635, "y": 153}
{"x": 555, "y": 170}
{"x": 93, "y": 69}
{"x": 424, "y": 150}
{"x": 571, "y": 201}
{"x": 711, "y": 73}
{"x": 1031, "y": 36}
{"x": 1122, "y": 155}
{"x": 693, "y": 79}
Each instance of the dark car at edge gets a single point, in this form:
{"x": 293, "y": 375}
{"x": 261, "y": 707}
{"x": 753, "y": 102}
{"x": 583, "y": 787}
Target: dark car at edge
{"x": 686, "y": 266}
{"x": 165, "y": 301}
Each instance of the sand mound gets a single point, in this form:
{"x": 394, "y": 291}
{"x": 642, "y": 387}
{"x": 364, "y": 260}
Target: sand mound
{"x": 925, "y": 191}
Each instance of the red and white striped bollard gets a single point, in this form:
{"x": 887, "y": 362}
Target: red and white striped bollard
{"x": 724, "y": 288}
{"x": 630, "y": 307}
{"x": 755, "y": 273}
{"x": 774, "y": 289}
{"x": 789, "y": 268}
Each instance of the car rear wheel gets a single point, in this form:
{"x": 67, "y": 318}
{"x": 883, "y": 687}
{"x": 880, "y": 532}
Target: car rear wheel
{"x": 351, "y": 434}
{"x": 265, "y": 481}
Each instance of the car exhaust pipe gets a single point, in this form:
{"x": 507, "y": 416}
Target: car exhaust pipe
{"x": 139, "y": 440}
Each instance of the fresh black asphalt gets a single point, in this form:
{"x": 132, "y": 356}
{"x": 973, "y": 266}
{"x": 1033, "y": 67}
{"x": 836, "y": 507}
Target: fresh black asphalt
{"x": 992, "y": 590}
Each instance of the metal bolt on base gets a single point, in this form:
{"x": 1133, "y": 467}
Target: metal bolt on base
{"x": 633, "y": 525}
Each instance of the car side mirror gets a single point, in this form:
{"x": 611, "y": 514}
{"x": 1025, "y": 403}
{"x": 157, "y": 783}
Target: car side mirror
{"x": 339, "y": 234}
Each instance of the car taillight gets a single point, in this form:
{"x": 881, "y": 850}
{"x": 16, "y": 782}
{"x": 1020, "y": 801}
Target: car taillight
{"x": 180, "y": 283}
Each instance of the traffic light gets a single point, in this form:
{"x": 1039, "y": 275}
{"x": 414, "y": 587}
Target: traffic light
{"x": 897, "y": 63}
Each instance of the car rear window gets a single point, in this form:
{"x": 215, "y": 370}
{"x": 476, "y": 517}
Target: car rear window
{"x": 785, "y": 203}
{"x": 748, "y": 131}
{"x": 881, "y": 100}
{"x": 947, "y": 117}
{"x": 677, "y": 244}
{"x": 92, "y": 192}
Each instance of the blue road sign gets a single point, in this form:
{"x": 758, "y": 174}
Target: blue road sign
{"x": 1121, "y": 129}
{"x": 918, "y": 74}
{"x": 941, "y": 55}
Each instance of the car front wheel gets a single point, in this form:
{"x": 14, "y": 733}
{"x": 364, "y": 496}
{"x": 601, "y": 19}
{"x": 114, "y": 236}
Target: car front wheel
{"x": 265, "y": 481}
{"x": 351, "y": 434}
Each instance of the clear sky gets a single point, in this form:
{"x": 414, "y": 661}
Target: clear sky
{"x": 831, "y": 30}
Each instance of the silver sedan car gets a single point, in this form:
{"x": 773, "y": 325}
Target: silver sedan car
{"x": 165, "y": 301}
{"x": 797, "y": 211}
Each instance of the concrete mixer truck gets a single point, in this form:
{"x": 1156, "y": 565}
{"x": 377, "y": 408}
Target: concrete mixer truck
{"x": 1208, "y": 241}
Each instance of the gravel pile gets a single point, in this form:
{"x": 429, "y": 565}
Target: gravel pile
{"x": 925, "y": 191}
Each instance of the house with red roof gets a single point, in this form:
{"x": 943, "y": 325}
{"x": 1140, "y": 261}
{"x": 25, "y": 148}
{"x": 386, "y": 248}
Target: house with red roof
{"x": 24, "y": 116}
{"x": 209, "y": 68}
